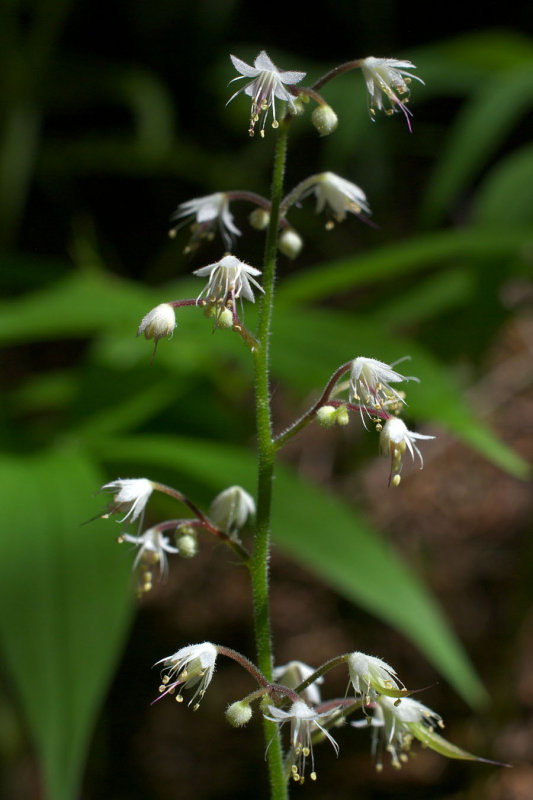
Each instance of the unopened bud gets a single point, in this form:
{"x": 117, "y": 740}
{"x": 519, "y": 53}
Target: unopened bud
{"x": 239, "y": 713}
{"x": 290, "y": 243}
{"x": 324, "y": 119}
{"x": 259, "y": 219}
{"x": 342, "y": 415}
{"x": 225, "y": 319}
{"x": 231, "y": 509}
{"x": 326, "y": 416}
{"x": 159, "y": 322}
{"x": 187, "y": 545}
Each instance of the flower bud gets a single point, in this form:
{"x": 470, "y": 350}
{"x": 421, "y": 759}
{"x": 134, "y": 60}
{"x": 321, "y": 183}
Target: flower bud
{"x": 159, "y": 322}
{"x": 326, "y": 416}
{"x": 231, "y": 509}
{"x": 259, "y": 219}
{"x": 187, "y": 545}
{"x": 342, "y": 416}
{"x": 225, "y": 319}
{"x": 239, "y": 713}
{"x": 290, "y": 243}
{"x": 324, "y": 119}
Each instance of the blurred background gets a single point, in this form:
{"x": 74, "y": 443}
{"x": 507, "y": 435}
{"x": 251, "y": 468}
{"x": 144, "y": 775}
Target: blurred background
{"x": 109, "y": 119}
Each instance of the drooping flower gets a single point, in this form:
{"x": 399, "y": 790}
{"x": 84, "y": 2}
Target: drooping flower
{"x": 267, "y": 84}
{"x": 293, "y": 674}
{"x": 159, "y": 322}
{"x": 304, "y": 720}
{"x": 131, "y": 497}
{"x": 231, "y": 509}
{"x": 153, "y": 546}
{"x": 396, "y": 724}
{"x": 191, "y": 666}
{"x": 206, "y": 213}
{"x": 388, "y": 78}
{"x": 370, "y": 381}
{"x": 371, "y": 676}
{"x": 394, "y": 439}
{"x": 229, "y": 279}
{"x": 332, "y": 191}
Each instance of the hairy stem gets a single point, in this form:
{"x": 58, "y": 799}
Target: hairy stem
{"x": 266, "y": 455}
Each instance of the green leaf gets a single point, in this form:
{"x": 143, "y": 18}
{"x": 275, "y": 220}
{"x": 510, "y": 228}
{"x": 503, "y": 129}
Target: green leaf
{"x": 66, "y": 605}
{"x": 506, "y": 196}
{"x": 404, "y": 258}
{"x": 323, "y": 533}
{"x": 485, "y": 122}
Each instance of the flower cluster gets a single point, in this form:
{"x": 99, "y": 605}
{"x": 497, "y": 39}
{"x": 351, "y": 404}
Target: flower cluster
{"x": 395, "y": 719}
{"x": 230, "y": 512}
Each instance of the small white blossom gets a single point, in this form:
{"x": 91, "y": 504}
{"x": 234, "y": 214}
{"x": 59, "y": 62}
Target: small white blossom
{"x": 371, "y": 676}
{"x": 394, "y": 439}
{"x": 159, "y": 322}
{"x": 296, "y": 672}
{"x": 388, "y": 78}
{"x": 232, "y": 508}
{"x": 191, "y": 666}
{"x": 304, "y": 720}
{"x": 396, "y": 723}
{"x": 206, "y": 213}
{"x": 370, "y": 381}
{"x": 339, "y": 194}
{"x": 267, "y": 83}
{"x": 229, "y": 278}
{"x": 131, "y": 496}
{"x": 153, "y": 546}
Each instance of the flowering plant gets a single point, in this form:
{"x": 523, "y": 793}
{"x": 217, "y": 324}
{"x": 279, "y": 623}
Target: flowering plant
{"x": 365, "y": 388}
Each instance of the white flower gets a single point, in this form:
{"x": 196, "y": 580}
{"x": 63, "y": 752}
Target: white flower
{"x": 159, "y": 322}
{"x": 394, "y": 439}
{"x": 337, "y": 193}
{"x": 206, "y": 213}
{"x": 371, "y": 676}
{"x": 267, "y": 83}
{"x": 296, "y": 672}
{"x": 191, "y": 666}
{"x": 153, "y": 546}
{"x": 231, "y": 509}
{"x": 388, "y": 77}
{"x": 228, "y": 278}
{"x": 370, "y": 381}
{"x": 131, "y": 496}
{"x": 304, "y": 720}
{"x": 394, "y": 727}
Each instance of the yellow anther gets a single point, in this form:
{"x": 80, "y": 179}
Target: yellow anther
{"x": 179, "y": 698}
{"x": 396, "y": 481}
{"x": 313, "y": 776}
{"x": 275, "y": 124}
{"x": 165, "y": 679}
{"x": 306, "y": 752}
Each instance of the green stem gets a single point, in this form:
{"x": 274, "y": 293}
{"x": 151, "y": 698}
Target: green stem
{"x": 266, "y": 456}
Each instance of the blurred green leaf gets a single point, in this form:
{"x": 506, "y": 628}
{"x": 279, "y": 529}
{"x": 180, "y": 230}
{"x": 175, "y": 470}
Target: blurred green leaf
{"x": 506, "y": 195}
{"x": 484, "y": 123}
{"x": 323, "y": 533}
{"x": 66, "y": 605}
{"x": 404, "y": 258}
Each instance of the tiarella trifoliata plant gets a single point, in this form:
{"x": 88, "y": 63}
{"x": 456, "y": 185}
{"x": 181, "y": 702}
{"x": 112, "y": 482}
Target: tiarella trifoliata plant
{"x": 365, "y": 390}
